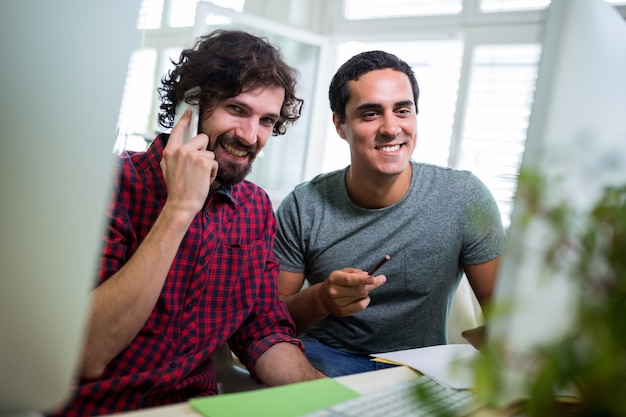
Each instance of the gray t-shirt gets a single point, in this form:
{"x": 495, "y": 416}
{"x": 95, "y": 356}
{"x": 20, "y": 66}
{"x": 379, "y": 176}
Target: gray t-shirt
{"x": 447, "y": 218}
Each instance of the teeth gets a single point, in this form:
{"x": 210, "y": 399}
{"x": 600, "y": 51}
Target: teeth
{"x": 234, "y": 151}
{"x": 389, "y": 148}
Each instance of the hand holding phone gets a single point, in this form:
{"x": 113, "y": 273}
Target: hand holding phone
{"x": 192, "y": 129}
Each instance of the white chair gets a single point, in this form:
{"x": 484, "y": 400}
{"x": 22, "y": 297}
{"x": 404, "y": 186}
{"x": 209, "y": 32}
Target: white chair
{"x": 465, "y": 312}
{"x": 231, "y": 377}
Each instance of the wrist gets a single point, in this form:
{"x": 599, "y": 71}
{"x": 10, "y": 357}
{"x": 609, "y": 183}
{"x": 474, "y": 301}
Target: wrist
{"x": 178, "y": 214}
{"x": 322, "y": 299}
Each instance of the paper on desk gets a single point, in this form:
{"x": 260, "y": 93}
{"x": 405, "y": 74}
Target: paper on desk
{"x": 450, "y": 365}
{"x": 284, "y": 401}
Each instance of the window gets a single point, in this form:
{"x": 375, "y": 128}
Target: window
{"x": 475, "y": 60}
{"x": 512, "y": 5}
{"x": 150, "y": 13}
{"x": 376, "y": 9}
{"x": 501, "y": 89}
{"x": 137, "y": 100}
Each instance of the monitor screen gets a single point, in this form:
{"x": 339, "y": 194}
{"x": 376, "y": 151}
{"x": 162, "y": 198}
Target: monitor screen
{"x": 64, "y": 66}
{"x": 575, "y": 149}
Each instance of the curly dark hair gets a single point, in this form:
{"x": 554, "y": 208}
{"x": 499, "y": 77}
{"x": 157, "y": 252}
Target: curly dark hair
{"x": 224, "y": 64}
{"x": 360, "y": 64}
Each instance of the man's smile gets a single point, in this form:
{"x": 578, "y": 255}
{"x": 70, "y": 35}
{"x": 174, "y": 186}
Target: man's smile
{"x": 389, "y": 148}
{"x": 234, "y": 151}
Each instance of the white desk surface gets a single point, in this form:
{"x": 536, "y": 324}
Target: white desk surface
{"x": 362, "y": 383}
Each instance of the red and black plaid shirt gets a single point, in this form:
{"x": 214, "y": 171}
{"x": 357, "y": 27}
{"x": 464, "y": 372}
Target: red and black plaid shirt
{"x": 221, "y": 287}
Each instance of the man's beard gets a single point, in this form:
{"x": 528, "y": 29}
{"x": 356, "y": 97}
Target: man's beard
{"x": 229, "y": 173}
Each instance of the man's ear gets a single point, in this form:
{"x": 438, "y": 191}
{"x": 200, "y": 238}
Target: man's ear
{"x": 338, "y": 126}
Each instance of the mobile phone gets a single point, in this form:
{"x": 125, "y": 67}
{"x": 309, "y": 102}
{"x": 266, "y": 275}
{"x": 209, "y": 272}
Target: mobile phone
{"x": 192, "y": 129}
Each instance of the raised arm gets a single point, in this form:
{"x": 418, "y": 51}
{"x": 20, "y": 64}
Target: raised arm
{"x": 121, "y": 305}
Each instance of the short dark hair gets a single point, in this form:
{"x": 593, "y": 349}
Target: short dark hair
{"x": 224, "y": 64}
{"x": 360, "y": 64}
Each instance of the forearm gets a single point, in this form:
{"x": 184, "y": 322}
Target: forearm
{"x": 122, "y": 304}
{"x": 285, "y": 363}
{"x": 306, "y": 307}
{"x": 482, "y": 278}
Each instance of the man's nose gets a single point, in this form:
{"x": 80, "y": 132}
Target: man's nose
{"x": 248, "y": 132}
{"x": 390, "y": 126}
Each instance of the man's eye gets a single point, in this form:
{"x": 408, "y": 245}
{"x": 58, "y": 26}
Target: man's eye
{"x": 268, "y": 121}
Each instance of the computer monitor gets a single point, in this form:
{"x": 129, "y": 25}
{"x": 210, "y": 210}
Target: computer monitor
{"x": 63, "y": 70}
{"x": 576, "y": 147}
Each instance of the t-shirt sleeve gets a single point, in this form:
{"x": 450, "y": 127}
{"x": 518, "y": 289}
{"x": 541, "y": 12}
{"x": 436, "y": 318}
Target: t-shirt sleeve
{"x": 289, "y": 247}
{"x": 484, "y": 234}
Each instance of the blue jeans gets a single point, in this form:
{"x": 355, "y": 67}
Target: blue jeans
{"x": 334, "y": 362}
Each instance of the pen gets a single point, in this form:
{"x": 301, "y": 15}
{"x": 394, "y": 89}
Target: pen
{"x": 379, "y": 264}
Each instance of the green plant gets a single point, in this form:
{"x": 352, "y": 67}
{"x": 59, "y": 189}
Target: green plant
{"x": 591, "y": 358}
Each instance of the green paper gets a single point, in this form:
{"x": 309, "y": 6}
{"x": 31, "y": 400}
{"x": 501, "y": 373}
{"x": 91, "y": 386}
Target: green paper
{"x": 285, "y": 401}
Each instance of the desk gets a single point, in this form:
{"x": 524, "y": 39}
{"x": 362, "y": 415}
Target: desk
{"x": 362, "y": 383}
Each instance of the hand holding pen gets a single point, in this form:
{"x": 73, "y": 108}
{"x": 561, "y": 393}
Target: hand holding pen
{"x": 346, "y": 291}
{"x": 378, "y": 265}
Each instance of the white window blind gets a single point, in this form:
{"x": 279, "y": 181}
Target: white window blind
{"x": 501, "y": 90}
{"x": 137, "y": 99}
{"x": 150, "y": 12}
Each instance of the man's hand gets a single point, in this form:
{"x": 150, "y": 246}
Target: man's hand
{"x": 189, "y": 168}
{"x": 343, "y": 293}
{"x": 346, "y": 291}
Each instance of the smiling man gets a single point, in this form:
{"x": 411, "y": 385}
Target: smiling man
{"x": 187, "y": 262}
{"x": 436, "y": 223}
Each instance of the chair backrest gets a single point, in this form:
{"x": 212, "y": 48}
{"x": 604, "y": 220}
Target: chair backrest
{"x": 232, "y": 377}
{"x": 465, "y": 312}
